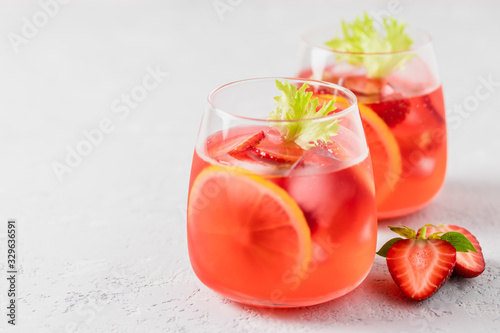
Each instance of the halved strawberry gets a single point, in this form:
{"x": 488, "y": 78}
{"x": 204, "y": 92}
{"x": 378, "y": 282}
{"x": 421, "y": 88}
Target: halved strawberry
{"x": 392, "y": 111}
{"x": 469, "y": 264}
{"x": 421, "y": 266}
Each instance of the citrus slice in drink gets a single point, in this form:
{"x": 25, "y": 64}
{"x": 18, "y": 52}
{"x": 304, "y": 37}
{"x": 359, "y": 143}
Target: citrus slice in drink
{"x": 384, "y": 149}
{"x": 245, "y": 233}
{"x": 384, "y": 152}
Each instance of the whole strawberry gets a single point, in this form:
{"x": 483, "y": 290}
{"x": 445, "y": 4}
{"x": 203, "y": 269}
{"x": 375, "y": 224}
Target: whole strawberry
{"x": 421, "y": 265}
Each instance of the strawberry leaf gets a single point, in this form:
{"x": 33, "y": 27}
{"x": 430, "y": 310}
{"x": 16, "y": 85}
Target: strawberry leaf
{"x": 436, "y": 235}
{"x": 297, "y": 104}
{"x": 385, "y": 248}
{"x": 404, "y": 231}
{"x": 459, "y": 241}
{"x": 423, "y": 231}
{"x": 361, "y": 37}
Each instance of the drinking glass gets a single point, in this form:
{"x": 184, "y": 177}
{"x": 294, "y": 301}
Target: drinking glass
{"x": 271, "y": 223}
{"x": 403, "y": 114}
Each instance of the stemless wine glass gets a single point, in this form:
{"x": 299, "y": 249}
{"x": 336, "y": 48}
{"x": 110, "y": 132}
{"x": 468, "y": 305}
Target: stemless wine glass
{"x": 271, "y": 223}
{"x": 402, "y": 111}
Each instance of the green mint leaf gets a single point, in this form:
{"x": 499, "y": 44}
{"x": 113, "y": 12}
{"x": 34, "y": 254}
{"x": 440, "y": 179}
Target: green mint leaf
{"x": 361, "y": 36}
{"x": 404, "y": 231}
{"x": 385, "y": 248}
{"x": 294, "y": 104}
{"x": 459, "y": 241}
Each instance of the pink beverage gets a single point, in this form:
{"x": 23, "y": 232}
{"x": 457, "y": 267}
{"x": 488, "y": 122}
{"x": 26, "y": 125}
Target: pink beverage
{"x": 271, "y": 223}
{"x": 401, "y": 105}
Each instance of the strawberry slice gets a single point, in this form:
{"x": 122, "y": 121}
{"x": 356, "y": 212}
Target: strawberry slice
{"x": 283, "y": 153}
{"x": 392, "y": 111}
{"x": 247, "y": 144}
{"x": 222, "y": 143}
{"x": 420, "y": 267}
{"x": 267, "y": 147}
{"x": 469, "y": 264}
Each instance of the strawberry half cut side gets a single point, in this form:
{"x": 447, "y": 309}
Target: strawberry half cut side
{"x": 422, "y": 262}
{"x": 420, "y": 267}
{"x": 469, "y": 264}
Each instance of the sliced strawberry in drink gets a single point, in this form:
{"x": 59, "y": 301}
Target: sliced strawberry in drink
{"x": 267, "y": 147}
{"x": 286, "y": 152}
{"x": 252, "y": 141}
{"x": 469, "y": 264}
{"x": 269, "y": 157}
{"x": 221, "y": 143}
{"x": 392, "y": 111}
{"x": 421, "y": 266}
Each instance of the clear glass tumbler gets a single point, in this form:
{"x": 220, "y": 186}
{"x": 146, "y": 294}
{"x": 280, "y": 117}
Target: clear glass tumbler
{"x": 402, "y": 111}
{"x": 272, "y": 222}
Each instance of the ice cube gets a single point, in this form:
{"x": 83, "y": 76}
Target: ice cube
{"x": 353, "y": 145}
{"x": 364, "y": 86}
{"x": 317, "y": 160}
{"x": 321, "y": 184}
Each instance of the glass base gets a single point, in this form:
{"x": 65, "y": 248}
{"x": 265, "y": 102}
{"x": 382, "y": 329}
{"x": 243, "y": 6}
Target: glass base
{"x": 295, "y": 303}
{"x": 404, "y": 211}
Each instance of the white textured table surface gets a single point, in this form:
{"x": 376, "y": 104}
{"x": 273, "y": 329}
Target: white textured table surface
{"x": 104, "y": 249}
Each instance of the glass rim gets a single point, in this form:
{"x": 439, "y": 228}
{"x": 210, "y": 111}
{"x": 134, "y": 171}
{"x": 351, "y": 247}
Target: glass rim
{"x": 335, "y": 28}
{"x": 352, "y": 107}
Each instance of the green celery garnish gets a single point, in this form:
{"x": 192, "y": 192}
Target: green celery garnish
{"x": 361, "y": 36}
{"x": 296, "y": 104}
